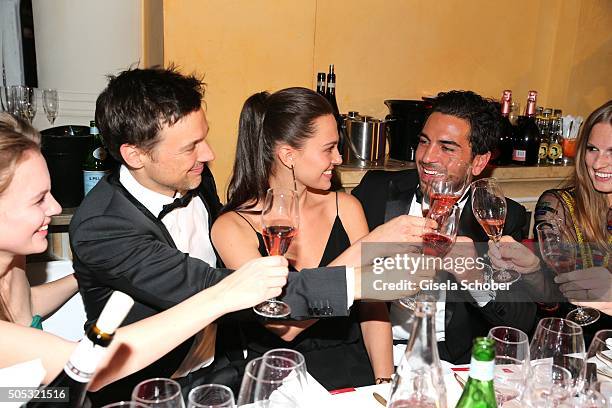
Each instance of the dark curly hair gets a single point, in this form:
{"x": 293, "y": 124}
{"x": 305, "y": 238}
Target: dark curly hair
{"x": 137, "y": 103}
{"x": 482, "y": 115}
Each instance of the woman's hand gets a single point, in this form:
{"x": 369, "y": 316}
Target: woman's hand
{"x": 256, "y": 281}
{"x": 404, "y": 228}
{"x": 510, "y": 254}
{"x": 588, "y": 287}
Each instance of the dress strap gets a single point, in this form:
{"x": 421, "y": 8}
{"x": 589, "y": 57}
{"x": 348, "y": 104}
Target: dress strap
{"x": 247, "y": 221}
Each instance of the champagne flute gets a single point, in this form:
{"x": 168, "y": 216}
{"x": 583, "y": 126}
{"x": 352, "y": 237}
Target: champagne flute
{"x": 280, "y": 221}
{"x": 271, "y": 382}
{"x": 560, "y": 342}
{"x": 159, "y": 393}
{"x": 511, "y": 362}
{"x": 50, "y": 104}
{"x": 211, "y": 396}
{"x": 559, "y": 252}
{"x": 490, "y": 208}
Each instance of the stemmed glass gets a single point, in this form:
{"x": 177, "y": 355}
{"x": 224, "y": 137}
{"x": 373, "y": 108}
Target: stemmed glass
{"x": 50, "y": 104}
{"x": 25, "y": 102}
{"x": 559, "y": 252}
{"x": 211, "y": 396}
{"x": 447, "y": 187}
{"x": 511, "y": 362}
{"x": 271, "y": 382}
{"x": 159, "y": 393}
{"x": 490, "y": 209}
{"x": 437, "y": 243}
{"x": 293, "y": 355}
{"x": 560, "y": 342}
{"x": 600, "y": 353}
{"x": 280, "y": 221}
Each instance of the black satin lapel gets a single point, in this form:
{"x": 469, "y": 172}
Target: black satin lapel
{"x": 451, "y": 302}
{"x": 398, "y": 200}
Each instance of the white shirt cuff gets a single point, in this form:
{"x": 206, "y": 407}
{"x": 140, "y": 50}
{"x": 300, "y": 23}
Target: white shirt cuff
{"x": 350, "y": 286}
{"x": 482, "y": 297}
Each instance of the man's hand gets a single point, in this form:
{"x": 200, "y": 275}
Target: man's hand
{"x": 257, "y": 280}
{"x": 464, "y": 249}
{"x": 509, "y": 254}
{"x": 591, "y": 284}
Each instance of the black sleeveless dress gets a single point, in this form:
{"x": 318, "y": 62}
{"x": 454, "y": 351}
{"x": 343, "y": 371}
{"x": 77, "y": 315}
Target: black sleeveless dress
{"x": 333, "y": 347}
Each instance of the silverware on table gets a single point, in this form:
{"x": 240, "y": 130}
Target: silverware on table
{"x": 381, "y": 400}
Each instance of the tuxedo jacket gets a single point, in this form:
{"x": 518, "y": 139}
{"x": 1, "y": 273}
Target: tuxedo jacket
{"x": 385, "y": 195}
{"x": 117, "y": 244}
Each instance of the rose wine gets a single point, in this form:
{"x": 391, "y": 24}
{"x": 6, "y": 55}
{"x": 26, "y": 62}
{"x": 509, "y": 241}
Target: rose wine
{"x": 492, "y": 227}
{"x": 435, "y": 244}
{"x": 442, "y": 203}
{"x": 278, "y": 238}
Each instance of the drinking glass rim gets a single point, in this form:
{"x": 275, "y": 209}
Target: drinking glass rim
{"x": 575, "y": 326}
{"x": 204, "y": 386}
{"x": 520, "y": 332}
{"x": 168, "y": 380}
{"x": 262, "y": 359}
{"x": 487, "y": 180}
{"x": 286, "y": 350}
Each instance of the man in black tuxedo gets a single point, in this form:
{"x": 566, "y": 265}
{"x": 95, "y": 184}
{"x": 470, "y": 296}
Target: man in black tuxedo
{"x": 144, "y": 229}
{"x": 462, "y": 127}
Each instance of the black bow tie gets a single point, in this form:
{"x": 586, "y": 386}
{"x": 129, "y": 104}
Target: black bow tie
{"x": 419, "y": 195}
{"x": 177, "y": 203}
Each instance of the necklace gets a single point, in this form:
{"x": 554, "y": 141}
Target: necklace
{"x": 586, "y": 253}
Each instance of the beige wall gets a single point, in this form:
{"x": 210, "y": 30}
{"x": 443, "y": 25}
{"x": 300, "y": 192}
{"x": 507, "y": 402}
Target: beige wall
{"x": 389, "y": 49}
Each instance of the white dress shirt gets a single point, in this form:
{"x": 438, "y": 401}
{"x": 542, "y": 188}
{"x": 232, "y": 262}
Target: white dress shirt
{"x": 188, "y": 227}
{"x": 400, "y": 315}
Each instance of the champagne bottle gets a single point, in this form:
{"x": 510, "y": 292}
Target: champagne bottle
{"x": 330, "y": 91}
{"x": 507, "y": 130}
{"x": 84, "y": 360}
{"x": 544, "y": 125}
{"x": 419, "y": 381}
{"x": 527, "y": 142}
{"x": 478, "y": 391}
{"x": 321, "y": 83}
{"x": 96, "y": 164}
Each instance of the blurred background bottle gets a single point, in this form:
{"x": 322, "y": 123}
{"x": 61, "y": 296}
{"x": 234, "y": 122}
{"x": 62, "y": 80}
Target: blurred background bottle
{"x": 321, "y": 83}
{"x": 506, "y": 139}
{"x": 97, "y": 163}
{"x": 527, "y": 142}
{"x": 330, "y": 90}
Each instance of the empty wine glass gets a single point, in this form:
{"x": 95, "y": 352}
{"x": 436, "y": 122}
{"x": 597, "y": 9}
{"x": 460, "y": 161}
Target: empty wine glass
{"x": 211, "y": 396}
{"x": 280, "y": 221}
{"x": 271, "y": 382}
{"x": 558, "y": 250}
{"x": 490, "y": 208}
{"x": 25, "y": 102}
{"x": 511, "y": 362}
{"x": 560, "y": 342}
{"x": 600, "y": 353}
{"x": 159, "y": 393}
{"x": 549, "y": 385}
{"x": 293, "y": 355}
{"x": 50, "y": 104}
{"x": 125, "y": 404}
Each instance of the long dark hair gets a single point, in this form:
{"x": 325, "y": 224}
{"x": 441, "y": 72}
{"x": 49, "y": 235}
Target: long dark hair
{"x": 286, "y": 116}
{"x": 591, "y": 205}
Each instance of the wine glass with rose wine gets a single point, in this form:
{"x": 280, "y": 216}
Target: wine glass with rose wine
{"x": 559, "y": 252}
{"x": 279, "y": 220}
{"x": 446, "y": 187}
{"x": 437, "y": 243}
{"x": 490, "y": 208}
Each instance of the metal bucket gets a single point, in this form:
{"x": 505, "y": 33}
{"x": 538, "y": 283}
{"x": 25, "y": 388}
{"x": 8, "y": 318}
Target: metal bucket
{"x": 366, "y": 140}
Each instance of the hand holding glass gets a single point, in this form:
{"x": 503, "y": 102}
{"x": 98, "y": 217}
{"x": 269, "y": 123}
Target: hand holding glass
{"x": 279, "y": 221}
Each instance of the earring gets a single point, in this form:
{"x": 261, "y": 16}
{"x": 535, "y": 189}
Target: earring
{"x": 293, "y": 175}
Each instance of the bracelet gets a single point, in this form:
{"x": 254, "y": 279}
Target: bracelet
{"x": 381, "y": 380}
